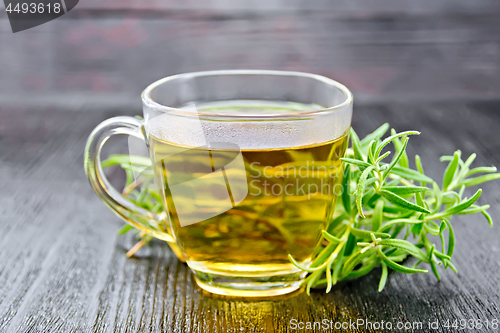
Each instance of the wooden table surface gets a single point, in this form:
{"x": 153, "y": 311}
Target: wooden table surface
{"x": 432, "y": 66}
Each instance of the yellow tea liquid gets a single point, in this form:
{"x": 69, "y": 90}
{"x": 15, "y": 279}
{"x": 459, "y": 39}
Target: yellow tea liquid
{"x": 291, "y": 194}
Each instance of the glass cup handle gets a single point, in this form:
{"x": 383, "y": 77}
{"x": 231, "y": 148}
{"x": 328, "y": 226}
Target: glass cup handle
{"x": 131, "y": 213}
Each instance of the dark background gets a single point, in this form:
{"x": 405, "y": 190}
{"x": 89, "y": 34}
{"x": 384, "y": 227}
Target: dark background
{"x": 428, "y": 65}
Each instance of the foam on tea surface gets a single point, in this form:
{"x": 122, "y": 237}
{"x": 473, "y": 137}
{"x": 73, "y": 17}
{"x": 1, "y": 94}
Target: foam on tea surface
{"x": 194, "y": 131}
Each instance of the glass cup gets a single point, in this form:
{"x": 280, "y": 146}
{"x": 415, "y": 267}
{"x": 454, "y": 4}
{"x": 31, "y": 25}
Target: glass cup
{"x": 247, "y": 165}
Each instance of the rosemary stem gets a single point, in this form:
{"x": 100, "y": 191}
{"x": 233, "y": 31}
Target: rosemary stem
{"x": 135, "y": 248}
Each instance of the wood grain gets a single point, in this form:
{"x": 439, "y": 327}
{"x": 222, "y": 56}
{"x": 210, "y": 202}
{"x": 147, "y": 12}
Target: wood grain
{"x": 431, "y": 67}
{"x": 63, "y": 269}
{"x": 104, "y": 56}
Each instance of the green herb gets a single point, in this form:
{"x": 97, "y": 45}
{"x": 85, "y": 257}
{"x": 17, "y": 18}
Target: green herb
{"x": 383, "y": 206}
{"x": 384, "y": 203}
{"x": 137, "y": 191}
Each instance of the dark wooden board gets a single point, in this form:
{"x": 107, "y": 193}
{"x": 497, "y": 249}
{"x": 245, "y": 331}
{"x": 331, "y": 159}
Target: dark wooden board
{"x": 102, "y": 54}
{"x": 64, "y": 269}
{"x": 431, "y": 66}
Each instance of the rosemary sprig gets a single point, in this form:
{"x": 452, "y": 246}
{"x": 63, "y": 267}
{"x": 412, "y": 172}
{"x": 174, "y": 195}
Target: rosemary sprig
{"x": 381, "y": 206}
{"x": 384, "y": 203}
{"x": 137, "y": 191}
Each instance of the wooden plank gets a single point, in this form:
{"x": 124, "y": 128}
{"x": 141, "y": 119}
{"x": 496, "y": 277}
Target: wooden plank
{"x": 63, "y": 269}
{"x": 94, "y": 59}
{"x": 241, "y": 7}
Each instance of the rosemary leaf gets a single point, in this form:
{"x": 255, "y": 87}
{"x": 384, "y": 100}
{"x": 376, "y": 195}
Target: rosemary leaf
{"x": 397, "y": 267}
{"x": 383, "y": 277}
{"x": 402, "y": 190}
{"x": 360, "y": 189}
{"x": 399, "y": 201}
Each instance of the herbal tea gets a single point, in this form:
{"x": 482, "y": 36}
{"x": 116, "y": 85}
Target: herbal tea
{"x": 248, "y": 166}
{"x": 288, "y": 195}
